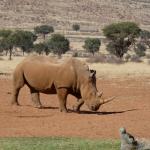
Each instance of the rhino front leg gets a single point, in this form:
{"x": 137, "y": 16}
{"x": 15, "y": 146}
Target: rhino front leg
{"x": 62, "y": 95}
{"x": 77, "y": 106}
{"x": 35, "y": 96}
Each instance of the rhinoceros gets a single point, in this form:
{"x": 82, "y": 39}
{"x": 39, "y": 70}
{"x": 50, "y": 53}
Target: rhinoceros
{"x": 43, "y": 74}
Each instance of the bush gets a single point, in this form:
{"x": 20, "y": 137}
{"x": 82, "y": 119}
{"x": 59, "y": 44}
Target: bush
{"x": 58, "y": 44}
{"x": 76, "y": 27}
{"x": 92, "y": 45}
{"x": 127, "y": 57}
{"x": 140, "y": 49}
{"x": 135, "y": 58}
{"x": 145, "y": 37}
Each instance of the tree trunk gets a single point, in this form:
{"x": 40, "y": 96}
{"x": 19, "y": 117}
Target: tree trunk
{"x": 23, "y": 52}
{"x": 10, "y": 53}
{"x": 59, "y": 55}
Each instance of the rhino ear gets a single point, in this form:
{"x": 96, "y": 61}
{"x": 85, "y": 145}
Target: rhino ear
{"x": 99, "y": 94}
{"x": 92, "y": 73}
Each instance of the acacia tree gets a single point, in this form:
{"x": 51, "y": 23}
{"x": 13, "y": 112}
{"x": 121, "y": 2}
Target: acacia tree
{"x": 58, "y": 44}
{"x": 92, "y": 45}
{"x": 43, "y": 29}
{"x": 19, "y": 38}
{"x": 121, "y": 36}
{"x": 6, "y": 42}
{"x": 7, "y": 45}
{"x": 24, "y": 39}
{"x": 40, "y": 48}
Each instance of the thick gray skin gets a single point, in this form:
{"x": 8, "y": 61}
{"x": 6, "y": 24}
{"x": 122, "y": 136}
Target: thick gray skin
{"x": 60, "y": 83}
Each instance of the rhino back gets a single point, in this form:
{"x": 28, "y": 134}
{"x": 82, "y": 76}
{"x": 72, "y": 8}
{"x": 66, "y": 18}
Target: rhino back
{"x": 40, "y": 73}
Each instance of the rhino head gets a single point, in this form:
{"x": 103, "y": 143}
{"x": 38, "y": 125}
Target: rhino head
{"x": 92, "y": 98}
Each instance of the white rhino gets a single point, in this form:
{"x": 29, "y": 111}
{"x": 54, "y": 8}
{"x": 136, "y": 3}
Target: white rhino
{"x": 43, "y": 74}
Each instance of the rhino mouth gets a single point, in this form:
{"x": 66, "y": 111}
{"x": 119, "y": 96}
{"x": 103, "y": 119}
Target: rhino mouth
{"x": 94, "y": 108}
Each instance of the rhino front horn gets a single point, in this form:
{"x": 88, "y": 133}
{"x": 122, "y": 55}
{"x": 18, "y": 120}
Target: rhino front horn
{"x": 107, "y": 100}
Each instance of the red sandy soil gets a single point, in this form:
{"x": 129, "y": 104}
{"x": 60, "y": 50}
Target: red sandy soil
{"x": 131, "y": 109}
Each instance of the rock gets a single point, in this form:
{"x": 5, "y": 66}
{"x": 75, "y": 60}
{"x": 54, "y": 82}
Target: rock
{"x": 128, "y": 142}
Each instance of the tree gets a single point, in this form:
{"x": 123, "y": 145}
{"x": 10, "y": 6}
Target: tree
{"x": 6, "y": 42}
{"x": 58, "y": 44}
{"x": 121, "y": 36}
{"x": 19, "y": 38}
{"x": 40, "y": 48}
{"x": 24, "y": 40}
{"x": 7, "y": 45}
{"x": 76, "y": 27}
{"x": 43, "y": 29}
{"x": 92, "y": 45}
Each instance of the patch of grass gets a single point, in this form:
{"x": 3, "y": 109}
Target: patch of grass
{"x": 104, "y": 59}
{"x": 57, "y": 144}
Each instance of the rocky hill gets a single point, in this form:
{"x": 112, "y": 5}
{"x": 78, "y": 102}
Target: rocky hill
{"x": 91, "y": 14}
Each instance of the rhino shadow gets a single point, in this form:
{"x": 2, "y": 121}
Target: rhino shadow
{"x": 49, "y": 107}
{"x": 102, "y": 112}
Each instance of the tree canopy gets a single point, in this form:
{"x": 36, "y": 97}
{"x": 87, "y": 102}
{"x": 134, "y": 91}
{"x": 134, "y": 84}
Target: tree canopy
{"x": 23, "y": 39}
{"x": 58, "y": 44}
{"x": 41, "y": 47}
{"x": 121, "y": 36}
{"x": 43, "y": 29}
{"x": 92, "y": 45}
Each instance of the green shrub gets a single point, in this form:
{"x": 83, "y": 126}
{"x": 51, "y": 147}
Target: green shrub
{"x": 140, "y": 49}
{"x": 58, "y": 44}
{"x": 92, "y": 45}
{"x": 76, "y": 27}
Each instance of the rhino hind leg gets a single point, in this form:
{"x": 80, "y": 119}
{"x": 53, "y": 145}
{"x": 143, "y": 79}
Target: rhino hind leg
{"x": 15, "y": 96}
{"x": 77, "y": 106}
{"x": 62, "y": 95}
{"x": 35, "y": 96}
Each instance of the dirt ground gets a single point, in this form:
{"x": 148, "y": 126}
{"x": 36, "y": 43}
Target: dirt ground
{"x": 131, "y": 109}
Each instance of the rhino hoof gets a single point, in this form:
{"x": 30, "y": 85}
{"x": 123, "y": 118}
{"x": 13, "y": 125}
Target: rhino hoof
{"x": 63, "y": 110}
{"x": 15, "y": 104}
{"x": 39, "y": 107}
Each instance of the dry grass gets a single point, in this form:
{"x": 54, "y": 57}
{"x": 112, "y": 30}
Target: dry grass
{"x": 129, "y": 69}
{"x": 104, "y": 70}
{"x": 7, "y": 66}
